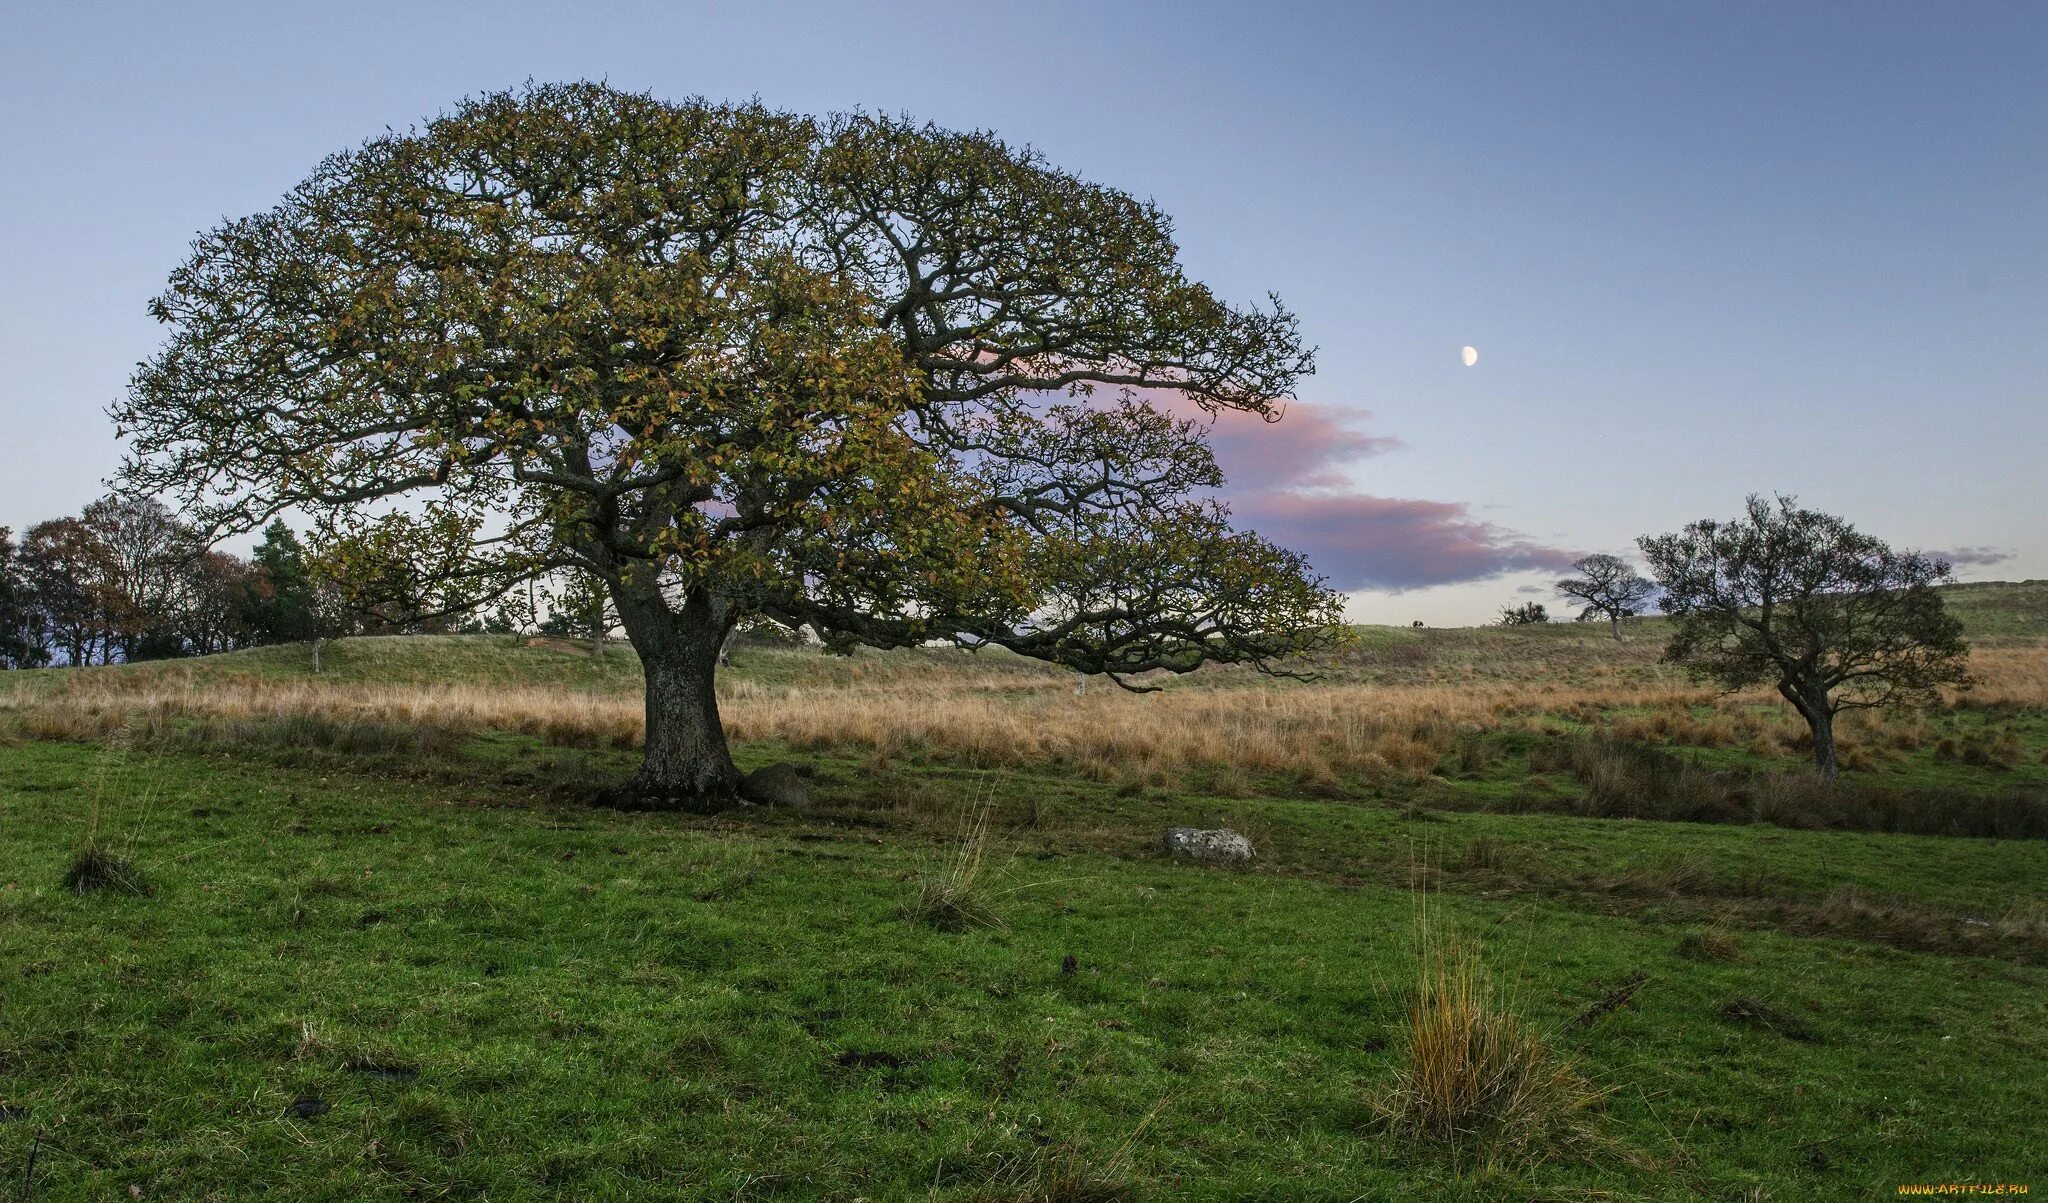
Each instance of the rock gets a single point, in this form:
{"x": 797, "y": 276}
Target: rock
{"x": 1220, "y": 846}
{"x": 776, "y": 785}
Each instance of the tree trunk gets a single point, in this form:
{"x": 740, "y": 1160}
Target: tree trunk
{"x": 1614, "y": 622}
{"x": 1822, "y": 721}
{"x": 317, "y": 641}
{"x": 1811, "y": 701}
{"x": 686, "y": 765}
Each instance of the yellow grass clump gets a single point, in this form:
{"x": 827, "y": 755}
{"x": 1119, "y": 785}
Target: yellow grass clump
{"x": 1473, "y": 1077}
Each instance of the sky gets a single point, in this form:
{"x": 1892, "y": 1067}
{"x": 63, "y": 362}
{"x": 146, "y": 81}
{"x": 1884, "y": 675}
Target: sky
{"x": 1702, "y": 250}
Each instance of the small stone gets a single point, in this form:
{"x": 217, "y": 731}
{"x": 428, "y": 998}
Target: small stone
{"x": 775, "y": 785}
{"x": 307, "y": 1108}
{"x": 1218, "y": 846}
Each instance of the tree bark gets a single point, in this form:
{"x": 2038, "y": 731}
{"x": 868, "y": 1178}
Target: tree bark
{"x": 1813, "y": 706}
{"x": 1614, "y": 622}
{"x": 1823, "y": 724}
{"x": 316, "y": 641}
{"x": 686, "y": 764}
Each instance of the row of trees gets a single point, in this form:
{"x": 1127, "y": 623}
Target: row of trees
{"x": 1607, "y": 589}
{"x": 123, "y": 580}
{"x": 127, "y": 580}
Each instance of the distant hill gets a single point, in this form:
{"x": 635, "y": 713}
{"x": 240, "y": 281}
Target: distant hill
{"x": 2000, "y": 611}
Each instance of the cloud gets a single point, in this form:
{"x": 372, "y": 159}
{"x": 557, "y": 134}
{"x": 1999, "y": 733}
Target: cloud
{"x": 1290, "y": 481}
{"x": 1309, "y": 448}
{"x": 1364, "y": 542}
{"x": 1973, "y": 557}
{"x": 1531, "y": 589}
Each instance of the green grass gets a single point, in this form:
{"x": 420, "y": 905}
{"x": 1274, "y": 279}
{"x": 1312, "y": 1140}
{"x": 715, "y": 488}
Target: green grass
{"x": 1994, "y": 611}
{"x": 501, "y": 994}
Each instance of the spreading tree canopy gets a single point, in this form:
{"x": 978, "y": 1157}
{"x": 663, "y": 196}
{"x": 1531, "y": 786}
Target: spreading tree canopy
{"x": 881, "y": 378}
{"x": 1804, "y": 602}
{"x": 1607, "y": 587}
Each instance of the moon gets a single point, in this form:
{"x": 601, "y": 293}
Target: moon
{"x": 1470, "y": 355}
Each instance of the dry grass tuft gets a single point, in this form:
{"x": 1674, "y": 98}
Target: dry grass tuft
{"x": 1485, "y": 854}
{"x": 957, "y": 897}
{"x": 96, "y": 867}
{"x": 1474, "y": 1077}
{"x": 1064, "y": 1173}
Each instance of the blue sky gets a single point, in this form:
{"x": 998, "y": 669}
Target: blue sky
{"x": 1703, "y": 250}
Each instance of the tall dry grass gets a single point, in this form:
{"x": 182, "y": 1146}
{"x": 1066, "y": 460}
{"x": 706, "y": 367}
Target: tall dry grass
{"x": 1474, "y": 1077}
{"x": 958, "y": 896}
{"x": 1314, "y": 735}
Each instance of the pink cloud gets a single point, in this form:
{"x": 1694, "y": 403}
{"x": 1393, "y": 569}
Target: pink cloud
{"x": 1290, "y": 481}
{"x": 1364, "y": 542}
{"x": 1309, "y": 447}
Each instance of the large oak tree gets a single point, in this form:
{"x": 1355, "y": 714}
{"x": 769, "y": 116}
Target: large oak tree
{"x": 877, "y": 377}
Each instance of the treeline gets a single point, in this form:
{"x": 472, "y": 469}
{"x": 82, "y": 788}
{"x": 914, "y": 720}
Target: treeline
{"x": 126, "y": 580}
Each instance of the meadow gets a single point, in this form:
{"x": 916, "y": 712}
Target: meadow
{"x": 381, "y": 946}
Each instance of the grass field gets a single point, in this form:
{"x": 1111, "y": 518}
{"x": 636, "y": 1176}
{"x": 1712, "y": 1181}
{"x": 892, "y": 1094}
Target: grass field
{"x": 388, "y": 951}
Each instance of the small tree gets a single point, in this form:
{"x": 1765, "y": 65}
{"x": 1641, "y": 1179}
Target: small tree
{"x": 69, "y": 576}
{"x": 213, "y": 610}
{"x": 1802, "y": 601}
{"x": 1608, "y": 587}
{"x": 148, "y": 557}
{"x": 394, "y": 573}
{"x": 1524, "y": 615}
{"x": 580, "y": 605}
{"x": 281, "y": 588}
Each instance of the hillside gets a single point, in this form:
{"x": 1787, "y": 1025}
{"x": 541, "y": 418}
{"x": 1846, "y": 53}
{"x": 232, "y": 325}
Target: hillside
{"x": 1995, "y": 612}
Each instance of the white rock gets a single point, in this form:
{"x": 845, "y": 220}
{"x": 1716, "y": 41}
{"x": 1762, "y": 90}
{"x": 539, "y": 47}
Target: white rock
{"x": 1220, "y": 845}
